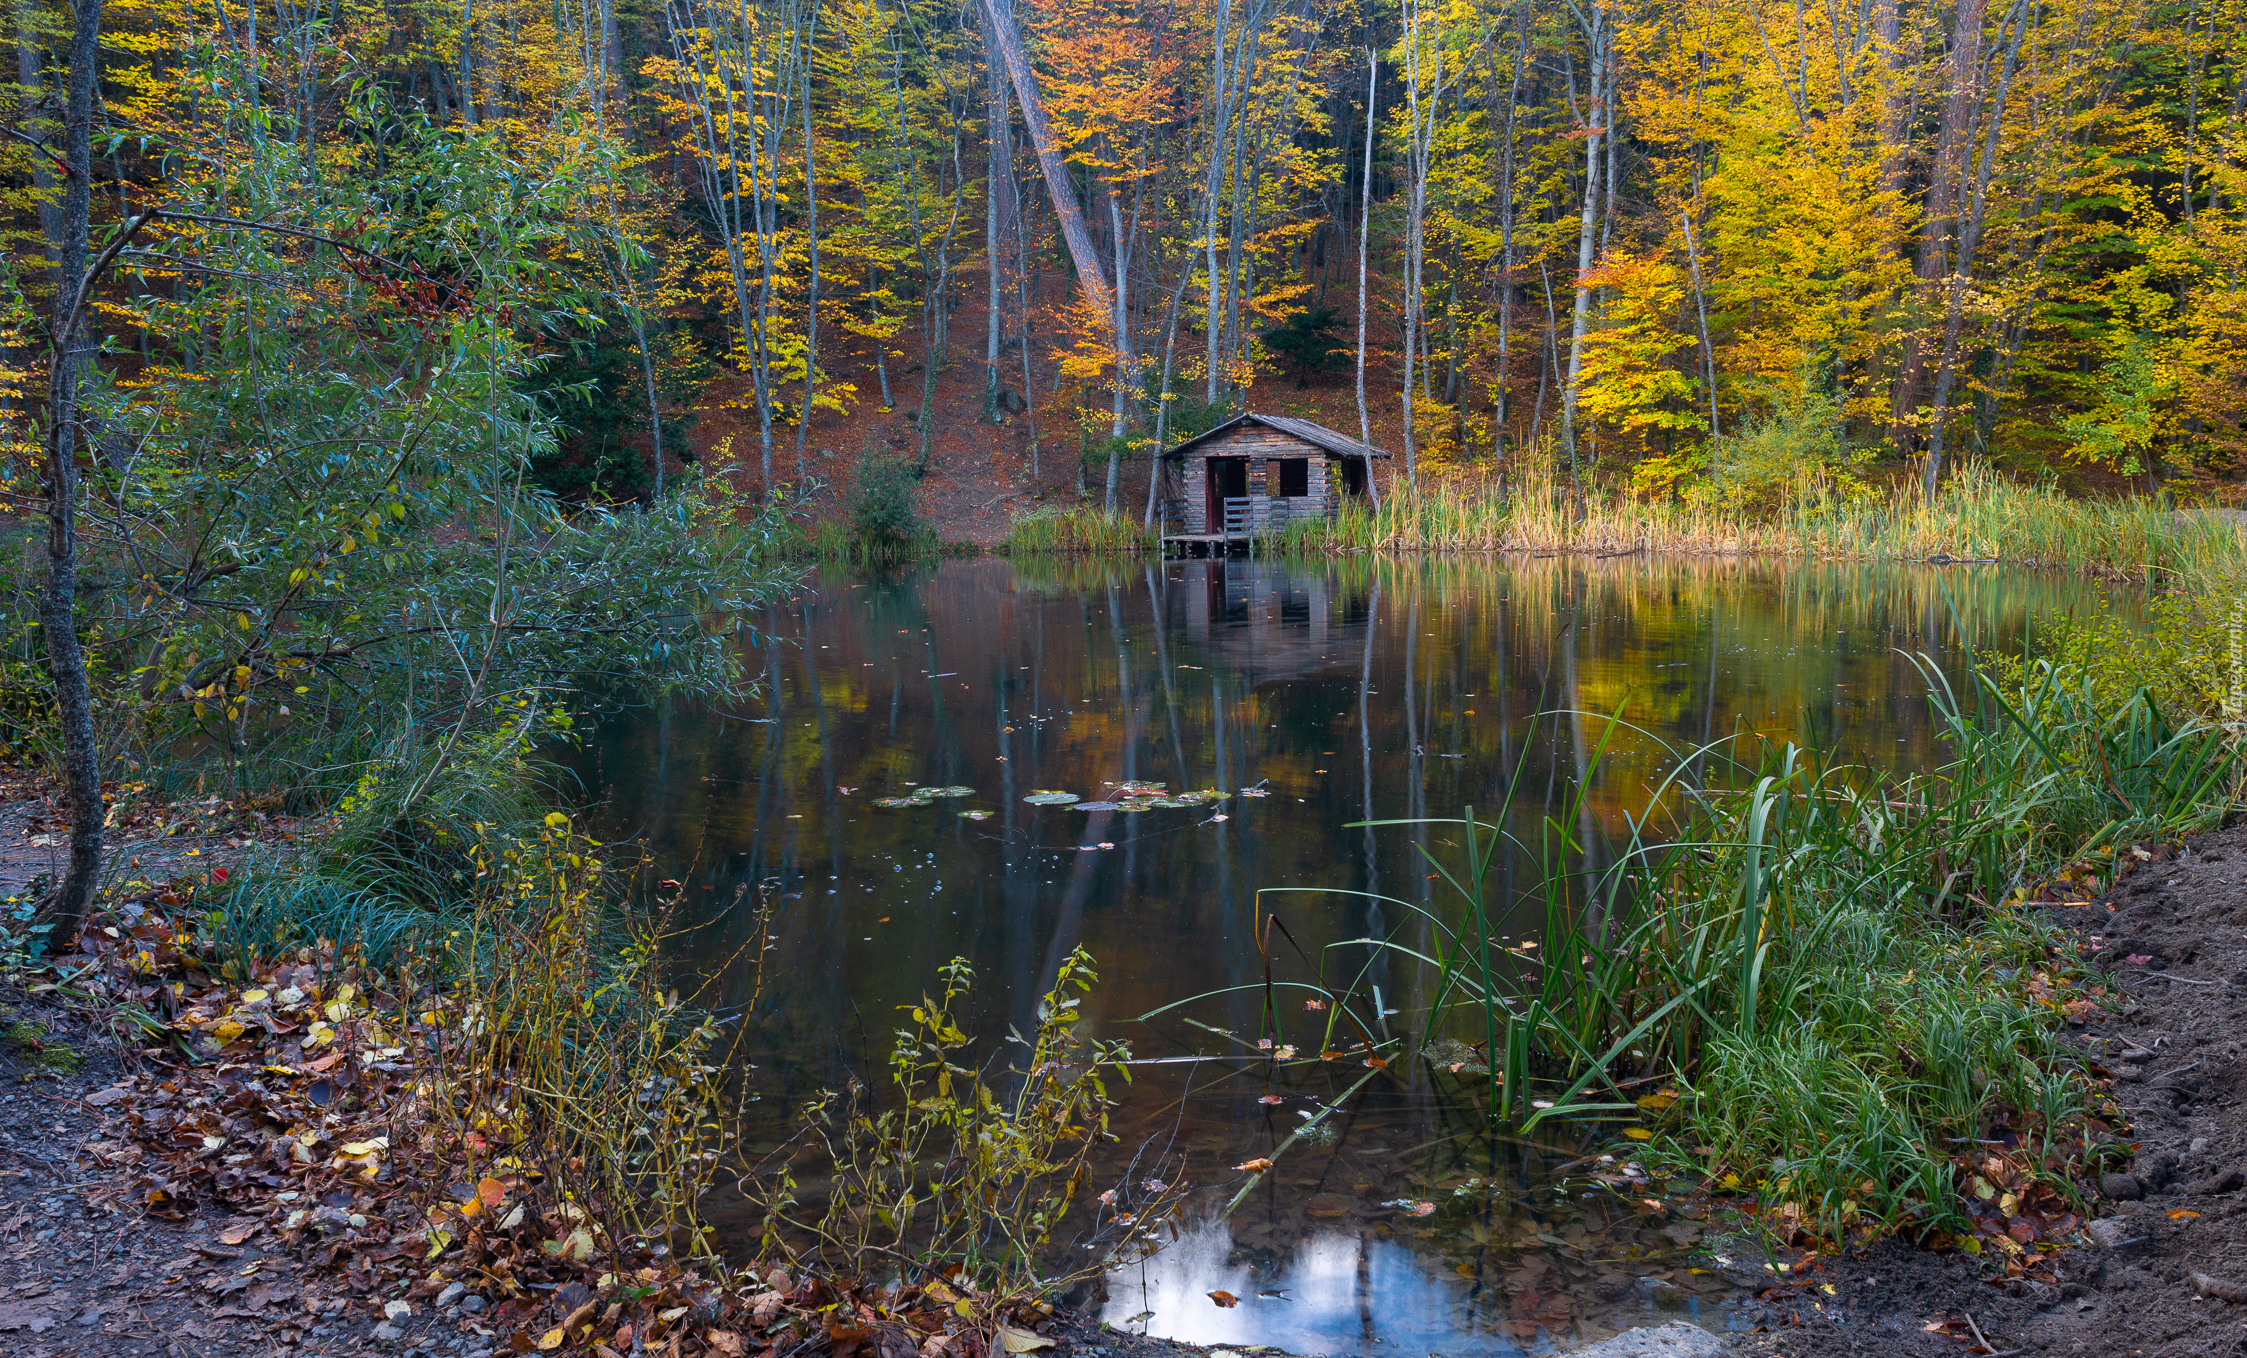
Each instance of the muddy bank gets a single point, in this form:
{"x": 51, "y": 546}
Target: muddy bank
{"x": 2173, "y": 1227}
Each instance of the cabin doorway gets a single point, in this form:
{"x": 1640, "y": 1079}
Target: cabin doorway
{"x": 1228, "y": 480}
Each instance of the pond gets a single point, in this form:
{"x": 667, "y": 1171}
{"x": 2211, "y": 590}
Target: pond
{"x": 876, "y": 792}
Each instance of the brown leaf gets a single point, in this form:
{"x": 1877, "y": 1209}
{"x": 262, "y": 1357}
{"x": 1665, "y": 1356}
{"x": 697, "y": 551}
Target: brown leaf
{"x": 1224, "y": 1298}
{"x": 724, "y": 1343}
{"x": 1256, "y": 1166}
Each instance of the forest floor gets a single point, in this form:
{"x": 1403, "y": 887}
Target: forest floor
{"x": 147, "y": 838}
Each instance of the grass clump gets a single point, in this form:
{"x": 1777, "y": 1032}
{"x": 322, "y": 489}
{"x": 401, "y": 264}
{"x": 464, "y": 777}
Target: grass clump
{"x": 398, "y": 860}
{"x": 1835, "y": 969}
{"x": 31, "y": 1043}
{"x": 1054, "y": 531}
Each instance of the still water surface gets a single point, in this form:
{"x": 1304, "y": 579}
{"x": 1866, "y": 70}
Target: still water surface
{"x": 1342, "y": 691}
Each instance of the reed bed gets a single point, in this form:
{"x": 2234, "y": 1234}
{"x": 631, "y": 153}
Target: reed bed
{"x": 1077, "y": 531}
{"x": 1982, "y": 516}
{"x": 1832, "y": 972}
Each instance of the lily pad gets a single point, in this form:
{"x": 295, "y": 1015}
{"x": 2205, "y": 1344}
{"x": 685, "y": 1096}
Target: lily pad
{"x": 1044, "y": 797}
{"x": 1098, "y": 806}
{"x": 947, "y": 792}
{"x": 975, "y": 815}
{"x": 899, "y": 801}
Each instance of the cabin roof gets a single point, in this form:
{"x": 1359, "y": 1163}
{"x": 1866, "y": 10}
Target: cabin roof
{"x": 1318, "y": 435}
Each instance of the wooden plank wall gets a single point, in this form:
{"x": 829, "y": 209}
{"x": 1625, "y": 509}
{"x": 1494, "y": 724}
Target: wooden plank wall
{"x": 1259, "y": 444}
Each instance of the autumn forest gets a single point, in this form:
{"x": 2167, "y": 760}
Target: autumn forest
{"x": 1630, "y": 235}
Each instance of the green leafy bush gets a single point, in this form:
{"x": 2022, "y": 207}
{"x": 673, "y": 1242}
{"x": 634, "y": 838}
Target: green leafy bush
{"x": 883, "y": 514}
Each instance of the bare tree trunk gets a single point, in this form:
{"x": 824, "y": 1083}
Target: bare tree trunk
{"x": 1506, "y": 212}
{"x": 1954, "y": 285}
{"x": 999, "y": 17}
{"x": 1593, "y": 119}
{"x": 998, "y": 213}
{"x": 1126, "y": 360}
{"x": 1365, "y": 227}
{"x": 33, "y": 80}
{"x": 1701, "y": 314}
{"x": 1420, "y": 148}
{"x": 811, "y": 306}
{"x": 1943, "y": 185}
{"x": 58, "y": 600}
{"x": 467, "y": 57}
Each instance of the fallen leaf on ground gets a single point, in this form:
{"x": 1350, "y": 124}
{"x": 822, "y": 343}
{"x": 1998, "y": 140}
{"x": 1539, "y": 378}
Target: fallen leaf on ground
{"x": 1223, "y": 1298}
{"x": 1022, "y": 1341}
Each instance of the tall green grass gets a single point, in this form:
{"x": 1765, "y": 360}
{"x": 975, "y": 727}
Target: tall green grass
{"x": 1982, "y": 516}
{"x": 1832, "y": 965}
{"x": 1084, "y": 530}
{"x": 393, "y": 865}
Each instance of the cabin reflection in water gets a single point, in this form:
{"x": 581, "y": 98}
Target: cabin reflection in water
{"x": 1269, "y": 619}
{"x": 1254, "y": 475}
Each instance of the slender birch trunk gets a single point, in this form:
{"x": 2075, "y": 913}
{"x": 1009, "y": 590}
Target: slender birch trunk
{"x": 1365, "y": 227}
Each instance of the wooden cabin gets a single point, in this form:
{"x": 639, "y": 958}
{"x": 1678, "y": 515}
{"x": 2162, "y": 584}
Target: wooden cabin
{"x": 1254, "y": 474}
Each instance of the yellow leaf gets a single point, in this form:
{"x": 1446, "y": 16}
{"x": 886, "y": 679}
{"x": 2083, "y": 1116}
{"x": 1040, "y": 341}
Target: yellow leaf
{"x": 1638, "y": 1134}
{"x": 226, "y": 1030}
{"x": 1256, "y": 1166}
{"x": 553, "y": 1338}
{"x": 2181, "y": 1214}
{"x": 1022, "y": 1341}
{"x": 437, "y": 1242}
{"x": 1655, "y": 1103}
{"x": 380, "y": 1143}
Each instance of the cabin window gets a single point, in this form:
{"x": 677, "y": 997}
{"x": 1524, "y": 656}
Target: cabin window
{"x": 1295, "y": 476}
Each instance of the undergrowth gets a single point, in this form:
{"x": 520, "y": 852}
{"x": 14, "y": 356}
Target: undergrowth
{"x": 957, "y": 1174}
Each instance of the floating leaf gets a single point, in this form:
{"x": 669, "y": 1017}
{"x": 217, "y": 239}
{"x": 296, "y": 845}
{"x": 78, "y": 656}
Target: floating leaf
{"x": 1045, "y": 797}
{"x": 975, "y": 815}
{"x": 1099, "y": 806}
{"x": 947, "y": 792}
{"x": 1224, "y": 1298}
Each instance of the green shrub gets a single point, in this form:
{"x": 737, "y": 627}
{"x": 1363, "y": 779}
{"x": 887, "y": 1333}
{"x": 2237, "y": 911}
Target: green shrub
{"x": 1796, "y": 451}
{"x": 883, "y": 516}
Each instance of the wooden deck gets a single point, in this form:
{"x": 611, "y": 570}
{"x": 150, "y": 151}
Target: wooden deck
{"x": 1204, "y": 544}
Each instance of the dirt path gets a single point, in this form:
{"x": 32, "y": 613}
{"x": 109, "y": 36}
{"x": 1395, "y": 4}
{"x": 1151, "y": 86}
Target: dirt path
{"x": 86, "y": 1271}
